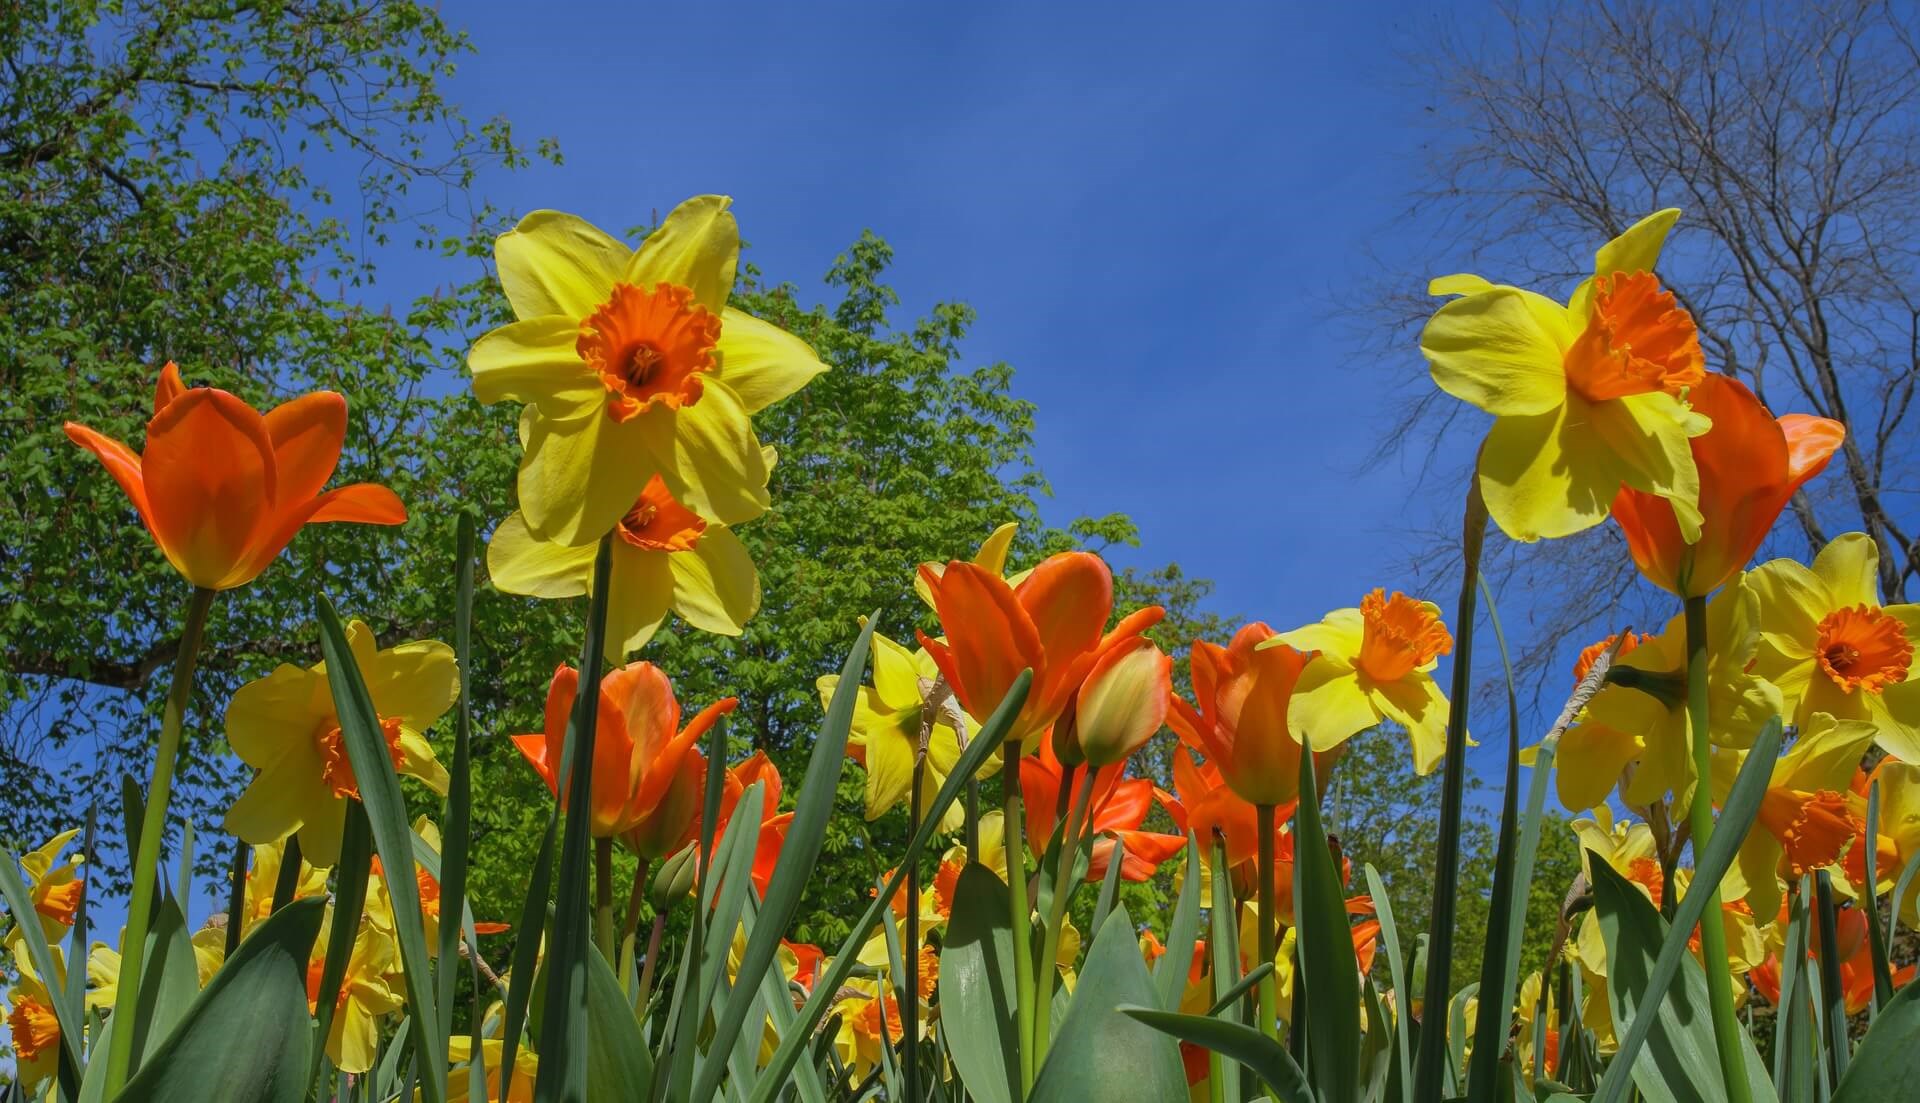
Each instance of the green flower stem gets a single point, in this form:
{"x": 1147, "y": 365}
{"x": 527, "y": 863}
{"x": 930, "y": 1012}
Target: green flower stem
{"x": 652, "y": 959}
{"x": 911, "y": 1000}
{"x": 153, "y": 825}
{"x": 1070, "y": 840}
{"x": 1263, "y": 816}
{"x": 1016, "y": 849}
{"x": 603, "y": 896}
{"x": 1713, "y": 933}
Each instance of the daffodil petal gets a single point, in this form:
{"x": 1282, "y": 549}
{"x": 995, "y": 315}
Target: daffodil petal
{"x": 1544, "y": 476}
{"x": 414, "y": 682}
{"x": 534, "y": 362}
{"x": 641, "y": 590}
{"x": 713, "y": 462}
{"x": 696, "y": 247}
{"x": 1500, "y": 350}
{"x": 1416, "y": 704}
{"x": 1589, "y": 761}
{"x": 418, "y": 760}
{"x": 1461, "y": 283}
{"x": 1899, "y": 730}
{"x": 1337, "y": 635}
{"x": 1647, "y": 435}
{"x": 1328, "y": 706}
{"x": 263, "y": 813}
{"x": 555, "y": 263}
{"x": 715, "y": 587}
{"x": 1850, "y": 566}
{"x": 265, "y": 712}
{"x": 1793, "y": 600}
{"x": 761, "y": 362}
{"x": 889, "y": 764}
{"x": 579, "y": 477}
{"x": 519, "y": 562}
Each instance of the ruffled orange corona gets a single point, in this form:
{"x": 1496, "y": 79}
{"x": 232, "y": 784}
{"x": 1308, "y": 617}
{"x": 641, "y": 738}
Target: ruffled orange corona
{"x": 639, "y": 753}
{"x": 224, "y": 488}
{"x": 1750, "y": 467}
{"x": 1239, "y": 719}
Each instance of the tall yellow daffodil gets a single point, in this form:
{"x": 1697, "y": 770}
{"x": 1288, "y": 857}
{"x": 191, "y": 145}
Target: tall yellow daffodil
{"x": 1809, "y": 815}
{"x": 1647, "y": 727}
{"x": 1586, "y": 397}
{"x": 31, "y": 1021}
{"x": 54, "y": 885}
{"x": 284, "y": 725}
{"x": 1375, "y": 663}
{"x": 666, "y": 558}
{"x": 369, "y": 991}
{"x": 1831, "y": 647}
{"x": 885, "y": 737}
{"x": 631, "y": 364}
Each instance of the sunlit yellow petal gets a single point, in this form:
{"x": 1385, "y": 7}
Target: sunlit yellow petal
{"x": 579, "y": 477}
{"x": 895, "y": 673}
{"x": 1500, "y": 350}
{"x": 1792, "y": 601}
{"x": 272, "y": 717}
{"x": 1589, "y": 761}
{"x": 1416, "y": 704}
{"x": 518, "y": 562}
{"x": 1647, "y": 435}
{"x": 534, "y": 362}
{"x": 715, "y": 587}
{"x": 418, "y": 761}
{"x": 414, "y": 682}
{"x": 696, "y": 247}
{"x": 1544, "y": 476}
{"x": 1328, "y": 706}
{"x": 1461, "y": 283}
{"x": 1850, "y": 566}
{"x": 889, "y": 772}
{"x": 555, "y": 263}
{"x": 640, "y": 590}
{"x": 761, "y": 362}
{"x": 712, "y": 462}
{"x": 1636, "y": 250}
{"x": 1337, "y": 635}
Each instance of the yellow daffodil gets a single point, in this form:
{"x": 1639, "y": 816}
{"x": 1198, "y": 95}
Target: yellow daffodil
{"x": 103, "y": 965}
{"x": 379, "y": 908}
{"x": 31, "y": 1021}
{"x": 284, "y": 725}
{"x": 631, "y": 364}
{"x": 1900, "y": 826}
{"x": 1630, "y": 849}
{"x": 868, "y": 1013}
{"x": 1831, "y": 647}
{"x": 257, "y": 896}
{"x": 885, "y": 737}
{"x": 526, "y": 1067}
{"x": 1646, "y": 727}
{"x": 1809, "y": 815}
{"x": 369, "y": 991}
{"x": 1586, "y": 397}
{"x": 666, "y": 558}
{"x": 1375, "y": 663}
{"x": 54, "y": 885}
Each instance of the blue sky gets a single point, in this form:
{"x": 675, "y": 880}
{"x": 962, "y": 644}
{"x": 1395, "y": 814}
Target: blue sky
{"x": 1155, "y": 214}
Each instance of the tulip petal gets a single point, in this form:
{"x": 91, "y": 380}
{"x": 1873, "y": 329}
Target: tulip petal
{"x": 578, "y": 478}
{"x": 1542, "y": 476}
{"x": 1500, "y": 350}
{"x": 535, "y": 361}
{"x": 211, "y": 485}
{"x": 712, "y": 462}
{"x": 119, "y": 461}
{"x": 1811, "y": 442}
{"x": 1850, "y": 567}
{"x": 696, "y": 247}
{"x": 168, "y": 387}
{"x": 364, "y": 503}
{"x": 715, "y": 587}
{"x": 761, "y": 362}
{"x": 555, "y": 263}
{"x": 1068, "y": 597}
{"x": 991, "y": 639}
{"x": 520, "y": 563}
{"x": 642, "y": 585}
{"x": 307, "y": 435}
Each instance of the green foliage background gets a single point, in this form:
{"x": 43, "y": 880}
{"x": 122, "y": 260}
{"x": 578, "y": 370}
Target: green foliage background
{"x": 215, "y": 185}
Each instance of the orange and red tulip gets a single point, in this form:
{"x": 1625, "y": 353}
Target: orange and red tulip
{"x": 1120, "y": 806}
{"x": 773, "y": 822}
{"x": 223, "y": 488}
{"x": 1750, "y": 466}
{"x": 647, "y": 773}
{"x": 1052, "y": 623}
{"x": 1239, "y": 718}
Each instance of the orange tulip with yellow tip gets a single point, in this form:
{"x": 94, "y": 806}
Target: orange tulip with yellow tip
{"x": 1053, "y": 623}
{"x": 223, "y": 488}
{"x": 641, "y": 755}
{"x": 1242, "y": 693}
{"x": 1121, "y": 704}
{"x": 1750, "y": 466}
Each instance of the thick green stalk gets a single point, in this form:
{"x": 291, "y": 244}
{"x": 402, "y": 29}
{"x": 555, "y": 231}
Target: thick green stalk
{"x": 1429, "y": 1077}
{"x": 603, "y": 896}
{"x": 153, "y": 825}
{"x": 1016, "y": 848}
{"x": 1270, "y": 987}
{"x": 1713, "y": 933}
{"x": 911, "y": 1001}
{"x": 1076, "y": 807}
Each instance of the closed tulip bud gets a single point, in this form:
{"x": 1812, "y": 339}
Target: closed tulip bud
{"x": 1122, "y": 703}
{"x": 675, "y": 879}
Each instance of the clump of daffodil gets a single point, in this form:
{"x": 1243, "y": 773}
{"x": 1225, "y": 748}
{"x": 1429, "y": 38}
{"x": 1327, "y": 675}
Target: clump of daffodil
{"x": 284, "y": 725}
{"x": 1374, "y": 663}
{"x": 666, "y": 558}
{"x": 888, "y": 717}
{"x": 1644, "y": 723}
{"x": 631, "y": 364}
{"x": 1831, "y": 647}
{"x": 1586, "y": 397}
{"x": 369, "y": 990}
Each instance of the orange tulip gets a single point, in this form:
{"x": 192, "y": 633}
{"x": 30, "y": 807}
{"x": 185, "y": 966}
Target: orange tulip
{"x": 1750, "y": 466}
{"x": 1120, "y": 706}
{"x": 1856, "y": 961}
{"x": 1051, "y": 623}
{"x": 646, "y": 775}
{"x": 773, "y": 822}
{"x": 1242, "y": 693}
{"x": 223, "y": 488}
{"x": 1119, "y": 807}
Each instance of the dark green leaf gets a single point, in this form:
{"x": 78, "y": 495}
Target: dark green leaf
{"x": 977, "y": 988}
{"x": 1100, "y": 1053}
{"x": 1268, "y": 1059}
{"x": 1325, "y": 954}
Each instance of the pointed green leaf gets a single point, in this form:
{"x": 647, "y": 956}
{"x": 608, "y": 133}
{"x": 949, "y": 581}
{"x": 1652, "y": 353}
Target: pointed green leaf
{"x": 1268, "y": 1059}
{"x": 977, "y": 988}
{"x": 1100, "y": 1053}
{"x": 1325, "y": 954}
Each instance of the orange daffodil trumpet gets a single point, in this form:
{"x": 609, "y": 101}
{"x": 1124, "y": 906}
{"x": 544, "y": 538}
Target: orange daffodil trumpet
{"x": 1750, "y": 465}
{"x": 284, "y": 725}
{"x": 665, "y": 558}
{"x": 1831, "y": 647}
{"x": 224, "y": 488}
{"x": 1586, "y": 397}
{"x": 1372, "y": 664}
{"x": 1052, "y": 622}
{"x": 646, "y": 768}
{"x": 631, "y": 364}
{"x": 54, "y": 886}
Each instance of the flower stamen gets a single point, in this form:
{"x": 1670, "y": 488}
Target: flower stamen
{"x": 336, "y": 771}
{"x": 658, "y": 523}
